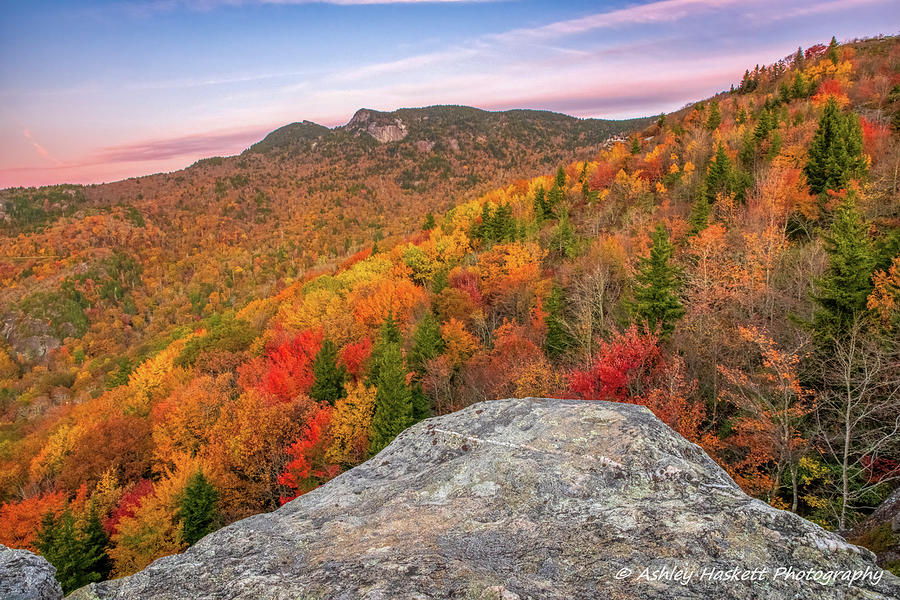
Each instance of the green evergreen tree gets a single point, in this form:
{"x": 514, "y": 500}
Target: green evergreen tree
{"x": 198, "y": 512}
{"x": 784, "y": 93}
{"x": 747, "y": 154}
{"x": 389, "y": 333}
{"x": 540, "y": 203}
{"x": 842, "y": 292}
{"x": 485, "y": 230}
{"x": 393, "y": 399}
{"x": 95, "y": 542}
{"x": 563, "y": 240}
{"x": 421, "y": 407}
{"x": 78, "y": 554}
{"x": 798, "y": 62}
{"x": 741, "y": 116}
{"x": 329, "y": 376}
{"x": 504, "y": 223}
{"x": 429, "y": 223}
{"x": 427, "y": 344}
{"x": 700, "y": 211}
{"x": 832, "y": 52}
{"x": 763, "y": 127}
{"x": 661, "y": 121}
{"x": 560, "y": 180}
{"x": 714, "y": 118}
{"x": 719, "y": 178}
{"x": 555, "y": 198}
{"x": 799, "y": 86}
{"x": 558, "y": 340}
{"x": 835, "y": 156}
{"x": 656, "y": 306}
{"x": 635, "y": 145}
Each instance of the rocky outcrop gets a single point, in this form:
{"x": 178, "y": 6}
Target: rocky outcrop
{"x": 521, "y": 499}
{"x": 381, "y": 126}
{"x": 880, "y": 532}
{"x": 26, "y": 576}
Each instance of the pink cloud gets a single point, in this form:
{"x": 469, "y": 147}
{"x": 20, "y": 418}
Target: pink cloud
{"x": 210, "y": 143}
{"x": 43, "y": 152}
{"x": 134, "y": 159}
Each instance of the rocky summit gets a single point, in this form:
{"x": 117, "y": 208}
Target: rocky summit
{"x": 518, "y": 499}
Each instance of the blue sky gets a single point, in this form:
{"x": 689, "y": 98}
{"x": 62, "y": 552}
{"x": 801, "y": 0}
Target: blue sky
{"x": 97, "y": 91}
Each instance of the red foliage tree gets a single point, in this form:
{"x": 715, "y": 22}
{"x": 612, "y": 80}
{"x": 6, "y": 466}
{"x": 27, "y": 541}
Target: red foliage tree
{"x": 309, "y": 469}
{"x": 286, "y": 370}
{"x": 622, "y": 369}
{"x": 354, "y": 356}
{"x": 128, "y": 505}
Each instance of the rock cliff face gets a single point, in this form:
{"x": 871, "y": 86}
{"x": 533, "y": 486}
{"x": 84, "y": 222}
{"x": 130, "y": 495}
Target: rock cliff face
{"x": 381, "y": 126}
{"x": 518, "y": 499}
{"x": 26, "y": 576}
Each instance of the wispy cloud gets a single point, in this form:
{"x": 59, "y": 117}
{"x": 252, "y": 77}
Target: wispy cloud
{"x": 43, "y": 152}
{"x": 206, "y": 143}
{"x": 666, "y": 11}
{"x": 150, "y": 7}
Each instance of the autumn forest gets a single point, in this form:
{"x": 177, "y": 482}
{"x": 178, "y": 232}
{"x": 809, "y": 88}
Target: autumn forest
{"x": 183, "y": 350}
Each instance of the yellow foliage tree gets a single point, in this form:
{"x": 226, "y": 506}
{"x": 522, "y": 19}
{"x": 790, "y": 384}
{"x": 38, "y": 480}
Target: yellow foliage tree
{"x": 350, "y": 425}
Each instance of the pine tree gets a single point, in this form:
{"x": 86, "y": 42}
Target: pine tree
{"x": 485, "y": 231}
{"x": 798, "y": 58}
{"x": 393, "y": 399}
{"x": 540, "y": 203}
{"x": 429, "y": 223}
{"x": 843, "y": 290}
{"x": 421, "y": 407}
{"x": 427, "y": 344}
{"x": 715, "y": 117}
{"x": 198, "y": 512}
{"x": 835, "y": 156}
{"x": 95, "y": 542}
{"x": 635, "y": 145}
{"x": 560, "y": 180}
{"x": 700, "y": 210}
{"x": 504, "y": 224}
{"x": 329, "y": 376}
{"x": 388, "y": 334}
{"x": 558, "y": 340}
{"x": 718, "y": 175}
{"x": 832, "y": 52}
{"x": 763, "y": 127}
{"x": 656, "y": 306}
{"x": 78, "y": 554}
{"x": 799, "y": 86}
{"x": 555, "y": 198}
{"x": 563, "y": 240}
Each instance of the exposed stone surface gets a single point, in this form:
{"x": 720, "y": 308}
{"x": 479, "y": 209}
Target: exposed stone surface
{"x": 27, "y": 576}
{"x": 516, "y": 499}
{"x": 881, "y": 532}
{"x": 380, "y": 126}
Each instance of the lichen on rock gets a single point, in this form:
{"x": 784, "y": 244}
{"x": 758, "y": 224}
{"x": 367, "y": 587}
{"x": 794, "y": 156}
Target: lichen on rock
{"x": 27, "y": 576}
{"x": 519, "y": 499}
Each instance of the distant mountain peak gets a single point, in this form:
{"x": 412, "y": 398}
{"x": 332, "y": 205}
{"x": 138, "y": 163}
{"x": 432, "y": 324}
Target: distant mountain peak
{"x": 384, "y": 127}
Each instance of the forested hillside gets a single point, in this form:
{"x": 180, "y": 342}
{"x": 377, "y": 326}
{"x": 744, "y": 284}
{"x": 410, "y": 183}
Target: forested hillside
{"x": 268, "y": 321}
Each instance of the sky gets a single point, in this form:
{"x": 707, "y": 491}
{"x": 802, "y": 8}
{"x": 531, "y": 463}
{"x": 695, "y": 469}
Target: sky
{"x": 95, "y": 91}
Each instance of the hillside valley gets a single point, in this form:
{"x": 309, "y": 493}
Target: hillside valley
{"x": 185, "y": 350}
